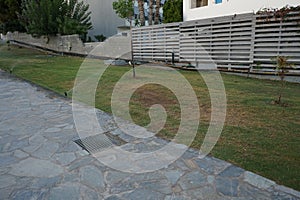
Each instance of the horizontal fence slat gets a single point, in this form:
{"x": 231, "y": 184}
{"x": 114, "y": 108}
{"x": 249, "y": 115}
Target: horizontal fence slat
{"x": 230, "y": 41}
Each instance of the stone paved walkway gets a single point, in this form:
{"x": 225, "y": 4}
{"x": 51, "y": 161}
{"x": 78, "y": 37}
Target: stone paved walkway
{"x": 39, "y": 160}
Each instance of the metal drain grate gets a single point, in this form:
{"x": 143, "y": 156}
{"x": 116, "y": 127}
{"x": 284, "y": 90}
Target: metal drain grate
{"x": 99, "y": 142}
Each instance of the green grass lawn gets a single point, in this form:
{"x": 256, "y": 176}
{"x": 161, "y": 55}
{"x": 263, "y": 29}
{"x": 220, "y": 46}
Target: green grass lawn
{"x": 259, "y": 136}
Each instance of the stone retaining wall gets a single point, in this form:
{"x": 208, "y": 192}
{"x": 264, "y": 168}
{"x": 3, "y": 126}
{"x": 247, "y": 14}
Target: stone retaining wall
{"x": 114, "y": 47}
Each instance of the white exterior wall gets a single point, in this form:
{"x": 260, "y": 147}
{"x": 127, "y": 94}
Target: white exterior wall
{"x": 231, "y": 7}
{"x": 103, "y": 17}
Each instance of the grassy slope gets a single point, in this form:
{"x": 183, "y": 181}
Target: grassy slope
{"x": 258, "y": 136}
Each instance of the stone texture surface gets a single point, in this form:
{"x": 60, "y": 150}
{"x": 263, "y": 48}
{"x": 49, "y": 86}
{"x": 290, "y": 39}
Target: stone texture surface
{"x": 39, "y": 160}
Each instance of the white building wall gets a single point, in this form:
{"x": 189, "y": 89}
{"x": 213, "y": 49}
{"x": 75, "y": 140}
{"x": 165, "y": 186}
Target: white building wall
{"x": 103, "y": 17}
{"x": 231, "y": 7}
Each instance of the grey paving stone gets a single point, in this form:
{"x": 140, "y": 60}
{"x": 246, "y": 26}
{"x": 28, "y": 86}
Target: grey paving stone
{"x": 173, "y": 176}
{"x": 251, "y": 192}
{"x": 7, "y": 159}
{"x": 46, "y": 150}
{"x": 71, "y": 177}
{"x": 286, "y": 190}
{"x": 121, "y": 187}
{"x": 258, "y": 181}
{"x": 20, "y": 154}
{"x": 211, "y": 165}
{"x": 46, "y": 182}
{"x": 83, "y": 161}
{"x": 18, "y": 144}
{"x": 5, "y": 193}
{"x": 227, "y": 187}
{"x": 161, "y": 186}
{"x": 65, "y": 192}
{"x": 92, "y": 177}
{"x": 203, "y": 193}
{"x": 7, "y": 181}
{"x": 89, "y": 194}
{"x": 114, "y": 177}
{"x": 139, "y": 194}
{"x": 36, "y": 168}
{"x": 192, "y": 180}
{"x": 232, "y": 171}
{"x": 28, "y": 194}
{"x": 114, "y": 197}
{"x": 176, "y": 197}
{"x": 65, "y": 158}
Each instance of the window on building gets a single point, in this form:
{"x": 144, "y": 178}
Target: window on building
{"x": 198, "y": 3}
{"x": 218, "y": 1}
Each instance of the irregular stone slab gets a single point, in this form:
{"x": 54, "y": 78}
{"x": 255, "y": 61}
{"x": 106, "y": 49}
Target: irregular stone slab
{"x": 65, "y": 158}
{"x": 140, "y": 193}
{"x": 232, "y": 171}
{"x": 192, "y": 180}
{"x": 65, "y": 192}
{"x": 36, "y": 168}
{"x": 5, "y": 193}
{"x": 258, "y": 181}
{"x": 204, "y": 193}
{"x": 227, "y": 187}
{"x": 176, "y": 197}
{"x": 7, "y": 181}
{"x": 28, "y": 194}
{"x": 52, "y": 130}
{"x": 250, "y": 192}
{"x": 161, "y": 186}
{"x": 20, "y": 154}
{"x": 46, "y": 182}
{"x": 285, "y": 190}
{"x": 80, "y": 162}
{"x": 211, "y": 165}
{"x": 92, "y": 177}
{"x": 173, "y": 176}
{"x": 46, "y": 150}
{"x": 89, "y": 194}
{"x": 7, "y": 159}
{"x": 114, "y": 177}
{"x": 18, "y": 144}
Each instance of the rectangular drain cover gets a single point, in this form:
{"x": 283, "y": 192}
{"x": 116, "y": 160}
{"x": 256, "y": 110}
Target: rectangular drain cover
{"x": 99, "y": 142}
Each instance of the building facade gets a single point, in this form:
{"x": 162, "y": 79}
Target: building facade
{"x": 104, "y": 19}
{"x": 201, "y": 9}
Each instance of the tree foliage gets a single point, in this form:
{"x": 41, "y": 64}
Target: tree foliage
{"x": 173, "y": 11}
{"x": 50, "y": 17}
{"x": 124, "y": 9}
{"x": 8, "y": 15}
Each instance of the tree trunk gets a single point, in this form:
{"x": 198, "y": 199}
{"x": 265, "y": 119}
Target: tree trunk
{"x": 142, "y": 13}
{"x": 156, "y": 19}
{"x": 150, "y": 16}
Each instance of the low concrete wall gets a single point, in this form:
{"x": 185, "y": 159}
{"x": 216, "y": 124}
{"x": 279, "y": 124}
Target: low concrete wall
{"x": 66, "y": 43}
{"x": 114, "y": 47}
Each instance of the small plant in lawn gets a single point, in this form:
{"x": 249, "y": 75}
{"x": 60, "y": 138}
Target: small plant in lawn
{"x": 282, "y": 68}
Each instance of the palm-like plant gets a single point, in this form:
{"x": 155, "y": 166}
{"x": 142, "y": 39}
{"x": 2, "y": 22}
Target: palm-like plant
{"x": 150, "y": 18}
{"x": 76, "y": 19}
{"x": 157, "y": 8}
{"x": 49, "y": 17}
{"x": 141, "y": 12}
